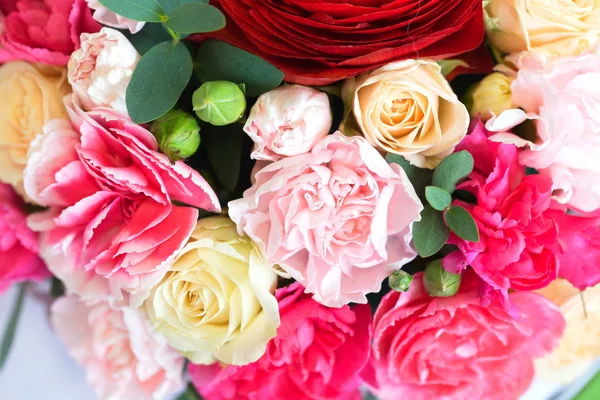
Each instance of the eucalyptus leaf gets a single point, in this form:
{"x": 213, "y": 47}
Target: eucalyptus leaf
{"x": 219, "y": 61}
{"x": 438, "y": 198}
{"x": 452, "y": 170}
{"x": 462, "y": 223}
{"x": 138, "y": 10}
{"x": 11, "y": 327}
{"x": 170, "y": 5}
{"x": 419, "y": 177}
{"x": 196, "y": 18}
{"x": 158, "y": 81}
{"x": 148, "y": 37}
{"x": 430, "y": 234}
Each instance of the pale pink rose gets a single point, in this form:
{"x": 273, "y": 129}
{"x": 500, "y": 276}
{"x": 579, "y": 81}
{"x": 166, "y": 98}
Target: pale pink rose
{"x": 123, "y": 356}
{"x": 109, "y": 18}
{"x": 454, "y": 348}
{"x": 338, "y": 219}
{"x": 562, "y": 96}
{"x": 101, "y": 69}
{"x": 111, "y": 231}
{"x": 19, "y": 260}
{"x": 288, "y": 121}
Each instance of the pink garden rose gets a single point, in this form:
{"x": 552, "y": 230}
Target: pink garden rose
{"x": 518, "y": 247}
{"x": 563, "y": 98}
{"x": 317, "y": 354}
{"x": 454, "y": 348}
{"x": 109, "y": 18}
{"x": 123, "y": 356}
{"x": 19, "y": 260}
{"x": 44, "y": 31}
{"x": 338, "y": 219}
{"x": 111, "y": 230}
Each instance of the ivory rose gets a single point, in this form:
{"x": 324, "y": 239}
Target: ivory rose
{"x": 552, "y": 27}
{"x": 454, "y": 347}
{"x": 407, "y": 108}
{"x": 338, "y": 219}
{"x": 491, "y": 96}
{"x": 31, "y": 96}
{"x": 288, "y": 121}
{"x": 109, "y": 18}
{"x": 123, "y": 356}
{"x": 111, "y": 230}
{"x": 101, "y": 69}
{"x": 217, "y": 301}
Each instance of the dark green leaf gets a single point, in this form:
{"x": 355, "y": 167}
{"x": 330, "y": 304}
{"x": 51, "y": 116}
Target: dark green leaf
{"x": 148, "y": 37}
{"x": 430, "y": 233}
{"x": 437, "y": 198}
{"x": 531, "y": 171}
{"x": 219, "y": 61}
{"x": 452, "y": 170}
{"x": 57, "y": 289}
{"x": 170, "y": 5}
{"x": 158, "y": 81}
{"x": 196, "y": 18}
{"x": 138, "y": 10}
{"x": 419, "y": 177}
{"x": 189, "y": 394}
{"x": 11, "y": 327}
{"x": 462, "y": 223}
{"x": 223, "y": 146}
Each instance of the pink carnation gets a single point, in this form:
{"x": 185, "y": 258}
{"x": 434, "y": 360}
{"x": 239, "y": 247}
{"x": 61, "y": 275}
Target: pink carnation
{"x": 123, "y": 356}
{"x": 338, "y": 219}
{"x": 453, "y": 348}
{"x": 518, "y": 245}
{"x": 45, "y": 31}
{"x": 19, "y": 260}
{"x": 111, "y": 230}
{"x": 318, "y": 354}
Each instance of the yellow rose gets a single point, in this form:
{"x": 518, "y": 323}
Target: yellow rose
{"x": 217, "y": 301}
{"x": 31, "y": 96}
{"x": 492, "y": 95}
{"x": 552, "y": 27}
{"x": 407, "y": 108}
{"x": 579, "y": 347}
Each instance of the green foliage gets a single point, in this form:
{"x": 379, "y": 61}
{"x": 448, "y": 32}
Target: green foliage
{"x": 196, "y": 18}
{"x": 189, "y": 394}
{"x": 419, "y": 177}
{"x": 139, "y": 10}
{"x": 438, "y": 198}
{"x": 452, "y": 170}
{"x": 223, "y": 146}
{"x": 11, "y": 327}
{"x": 462, "y": 223}
{"x": 430, "y": 233}
{"x": 148, "y": 37}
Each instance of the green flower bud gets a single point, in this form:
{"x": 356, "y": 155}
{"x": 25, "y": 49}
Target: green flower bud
{"x": 400, "y": 281}
{"x": 178, "y": 134}
{"x": 440, "y": 283}
{"x": 219, "y": 103}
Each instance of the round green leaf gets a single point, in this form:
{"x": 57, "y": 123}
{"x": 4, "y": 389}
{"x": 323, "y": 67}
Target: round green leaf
{"x": 139, "y": 10}
{"x": 170, "y": 5}
{"x": 462, "y": 223}
{"x": 452, "y": 170}
{"x": 430, "y": 234}
{"x": 158, "y": 81}
{"x": 196, "y": 18}
{"x": 419, "y": 177}
{"x": 437, "y": 198}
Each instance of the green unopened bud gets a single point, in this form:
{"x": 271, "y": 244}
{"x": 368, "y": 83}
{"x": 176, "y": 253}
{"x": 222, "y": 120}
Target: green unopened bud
{"x": 400, "y": 281}
{"x": 178, "y": 134}
{"x": 440, "y": 283}
{"x": 219, "y": 103}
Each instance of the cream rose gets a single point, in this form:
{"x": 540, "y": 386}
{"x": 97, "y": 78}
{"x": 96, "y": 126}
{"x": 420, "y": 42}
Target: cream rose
{"x": 217, "y": 301}
{"x": 579, "y": 347}
{"x": 552, "y": 27}
{"x": 407, "y": 108}
{"x": 31, "y": 96}
{"x": 491, "y": 96}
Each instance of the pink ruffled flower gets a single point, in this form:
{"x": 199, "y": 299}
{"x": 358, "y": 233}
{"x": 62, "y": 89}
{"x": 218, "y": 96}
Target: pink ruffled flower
{"x": 109, "y": 18}
{"x": 44, "y": 31}
{"x": 454, "y": 348}
{"x": 19, "y": 260}
{"x": 111, "y": 230}
{"x": 318, "y": 354}
{"x": 123, "y": 356}
{"x": 518, "y": 245}
{"x": 562, "y": 96}
{"x": 338, "y": 219}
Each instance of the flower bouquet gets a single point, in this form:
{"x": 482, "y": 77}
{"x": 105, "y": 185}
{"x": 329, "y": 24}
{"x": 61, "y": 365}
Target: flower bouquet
{"x": 269, "y": 199}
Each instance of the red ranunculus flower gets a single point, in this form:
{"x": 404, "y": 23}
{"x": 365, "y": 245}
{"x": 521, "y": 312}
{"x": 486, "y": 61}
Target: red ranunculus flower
{"x": 319, "y": 42}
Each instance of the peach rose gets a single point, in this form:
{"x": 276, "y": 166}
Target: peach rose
{"x": 552, "y": 27}
{"x": 31, "y": 96}
{"x": 407, "y": 108}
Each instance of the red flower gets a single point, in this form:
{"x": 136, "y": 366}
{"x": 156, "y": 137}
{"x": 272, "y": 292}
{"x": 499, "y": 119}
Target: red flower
{"x": 319, "y": 42}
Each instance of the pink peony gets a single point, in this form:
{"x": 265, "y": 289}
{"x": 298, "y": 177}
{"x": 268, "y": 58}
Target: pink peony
{"x": 19, "y": 260}
{"x": 45, "y": 31}
{"x": 318, "y": 354}
{"x": 337, "y": 219}
{"x": 562, "y": 95}
{"x": 123, "y": 356}
{"x": 518, "y": 248}
{"x": 111, "y": 230}
{"x": 453, "y": 348}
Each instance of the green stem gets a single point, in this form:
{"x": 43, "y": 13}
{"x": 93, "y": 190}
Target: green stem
{"x": 11, "y": 328}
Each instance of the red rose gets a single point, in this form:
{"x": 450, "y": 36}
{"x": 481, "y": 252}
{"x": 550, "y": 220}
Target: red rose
{"x": 319, "y": 42}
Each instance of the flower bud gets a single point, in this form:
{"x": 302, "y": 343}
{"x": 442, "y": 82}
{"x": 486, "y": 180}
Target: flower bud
{"x": 178, "y": 134}
{"x": 492, "y": 95}
{"x": 219, "y": 103}
{"x": 440, "y": 283}
{"x": 400, "y": 281}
